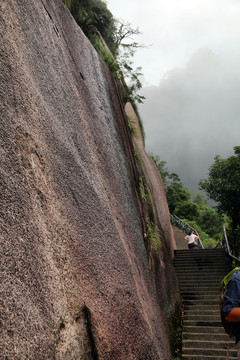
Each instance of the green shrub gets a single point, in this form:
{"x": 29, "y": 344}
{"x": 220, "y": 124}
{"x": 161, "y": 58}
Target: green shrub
{"x": 144, "y": 191}
{"x": 153, "y": 237}
{"x": 132, "y": 127}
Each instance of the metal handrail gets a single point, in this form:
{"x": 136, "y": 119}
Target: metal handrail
{"x": 186, "y": 228}
{"x": 228, "y": 251}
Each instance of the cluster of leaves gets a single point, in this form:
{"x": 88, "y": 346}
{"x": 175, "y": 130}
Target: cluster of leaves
{"x": 152, "y": 233}
{"x": 223, "y": 186}
{"x": 132, "y": 127}
{"x": 93, "y": 16}
{"x": 144, "y": 191}
{"x": 197, "y": 214}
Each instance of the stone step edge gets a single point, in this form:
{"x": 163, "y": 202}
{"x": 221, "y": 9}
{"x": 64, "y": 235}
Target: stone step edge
{"x": 203, "y": 351}
{"x": 206, "y": 357}
{"x": 208, "y": 342}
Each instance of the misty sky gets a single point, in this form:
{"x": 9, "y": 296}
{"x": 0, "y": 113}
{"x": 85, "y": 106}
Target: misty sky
{"x": 191, "y": 79}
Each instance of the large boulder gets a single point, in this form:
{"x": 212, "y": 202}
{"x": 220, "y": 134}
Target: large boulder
{"x": 75, "y": 279}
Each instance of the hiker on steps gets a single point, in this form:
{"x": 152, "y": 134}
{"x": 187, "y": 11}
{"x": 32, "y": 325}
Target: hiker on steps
{"x": 191, "y": 239}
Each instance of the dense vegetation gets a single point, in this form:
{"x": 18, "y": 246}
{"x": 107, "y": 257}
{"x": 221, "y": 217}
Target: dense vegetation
{"x": 206, "y": 220}
{"x": 223, "y": 186}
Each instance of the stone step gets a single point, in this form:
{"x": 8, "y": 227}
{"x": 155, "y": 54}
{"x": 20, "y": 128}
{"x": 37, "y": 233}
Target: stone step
{"x": 213, "y": 352}
{"x": 214, "y": 263}
{"x": 200, "y": 307}
{"x": 194, "y": 296}
{"x": 210, "y": 324}
{"x": 206, "y": 292}
{"x": 199, "y": 274}
{"x": 196, "y": 271}
{"x": 197, "y": 266}
{"x": 205, "y": 357}
{"x": 211, "y": 292}
{"x": 206, "y": 336}
{"x": 214, "y": 278}
{"x": 192, "y": 284}
{"x": 206, "y": 260}
{"x": 209, "y": 302}
{"x": 211, "y": 317}
{"x": 203, "y": 329}
{"x": 197, "y": 254}
{"x": 201, "y": 252}
{"x": 202, "y": 312}
{"x": 198, "y": 344}
{"x": 202, "y": 272}
{"x": 209, "y": 259}
{"x": 199, "y": 287}
{"x": 202, "y": 288}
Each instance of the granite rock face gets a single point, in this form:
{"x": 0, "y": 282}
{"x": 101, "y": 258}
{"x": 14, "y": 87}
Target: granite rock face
{"x": 75, "y": 279}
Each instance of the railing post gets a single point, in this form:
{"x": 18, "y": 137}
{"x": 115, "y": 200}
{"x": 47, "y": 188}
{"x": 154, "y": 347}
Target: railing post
{"x": 226, "y": 247}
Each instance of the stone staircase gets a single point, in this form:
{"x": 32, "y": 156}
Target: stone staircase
{"x": 199, "y": 274}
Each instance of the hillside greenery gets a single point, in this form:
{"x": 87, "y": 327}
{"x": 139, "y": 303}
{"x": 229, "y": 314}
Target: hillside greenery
{"x": 192, "y": 209}
{"x": 223, "y": 186}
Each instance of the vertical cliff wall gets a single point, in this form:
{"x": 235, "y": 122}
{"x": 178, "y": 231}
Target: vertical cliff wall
{"x": 75, "y": 278}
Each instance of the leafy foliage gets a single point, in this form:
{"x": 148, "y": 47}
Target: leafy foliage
{"x": 204, "y": 219}
{"x": 166, "y": 175}
{"x": 139, "y": 119}
{"x": 132, "y": 127}
{"x": 187, "y": 209}
{"x": 67, "y": 3}
{"x": 124, "y": 50}
{"x": 176, "y": 195}
{"x": 124, "y": 32}
{"x": 93, "y": 16}
{"x": 144, "y": 191}
{"x": 205, "y": 238}
{"x": 210, "y": 221}
{"x": 223, "y": 186}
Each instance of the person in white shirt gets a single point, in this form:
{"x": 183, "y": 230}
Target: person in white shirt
{"x": 191, "y": 240}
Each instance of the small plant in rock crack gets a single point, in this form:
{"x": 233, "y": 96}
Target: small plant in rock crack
{"x": 153, "y": 236}
{"x": 132, "y": 127}
{"x": 138, "y": 157}
{"x": 144, "y": 191}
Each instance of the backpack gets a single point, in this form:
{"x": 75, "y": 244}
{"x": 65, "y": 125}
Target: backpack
{"x": 223, "y": 288}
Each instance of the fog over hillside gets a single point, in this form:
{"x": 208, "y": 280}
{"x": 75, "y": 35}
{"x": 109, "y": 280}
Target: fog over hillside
{"x": 193, "y": 115}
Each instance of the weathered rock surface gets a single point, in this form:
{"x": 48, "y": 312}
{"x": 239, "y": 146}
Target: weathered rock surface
{"x": 75, "y": 280}
{"x": 130, "y": 112}
{"x": 165, "y": 275}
